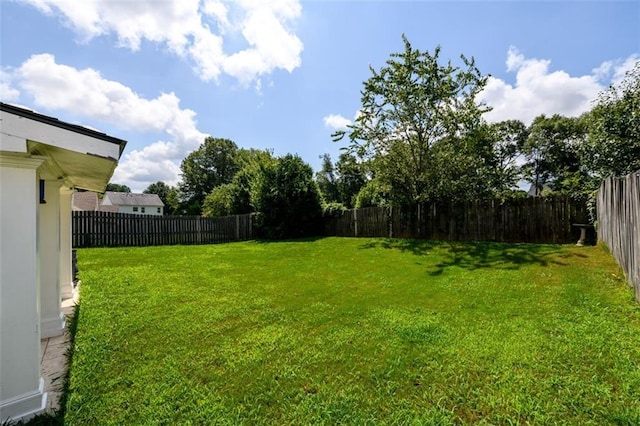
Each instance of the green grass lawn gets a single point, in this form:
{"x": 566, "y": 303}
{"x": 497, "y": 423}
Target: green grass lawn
{"x": 355, "y": 331}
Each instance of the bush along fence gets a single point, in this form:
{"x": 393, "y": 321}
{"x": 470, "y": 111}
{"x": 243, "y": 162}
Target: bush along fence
{"x": 105, "y": 229}
{"x": 618, "y": 209}
{"x": 530, "y": 220}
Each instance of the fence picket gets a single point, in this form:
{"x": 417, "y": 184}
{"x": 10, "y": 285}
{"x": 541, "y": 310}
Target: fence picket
{"x": 618, "y": 210}
{"x": 98, "y": 229}
{"x": 534, "y": 220}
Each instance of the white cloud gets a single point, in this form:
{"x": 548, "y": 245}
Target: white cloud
{"x": 85, "y": 93}
{"x": 540, "y": 91}
{"x": 194, "y": 29}
{"x": 336, "y": 122}
{"x": 140, "y": 168}
{"x": 615, "y": 71}
{"x": 271, "y": 45}
{"x": 8, "y": 93}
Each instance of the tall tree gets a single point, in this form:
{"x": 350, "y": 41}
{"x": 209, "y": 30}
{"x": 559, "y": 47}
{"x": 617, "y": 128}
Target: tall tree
{"x": 288, "y": 198}
{"x": 350, "y": 178}
{"x": 415, "y": 121}
{"x": 326, "y": 179}
{"x": 613, "y": 145}
{"x": 508, "y": 138}
{"x": 173, "y": 201}
{"x": 163, "y": 191}
{"x": 214, "y": 163}
{"x": 552, "y": 153}
{"x": 235, "y": 197}
{"x": 116, "y": 187}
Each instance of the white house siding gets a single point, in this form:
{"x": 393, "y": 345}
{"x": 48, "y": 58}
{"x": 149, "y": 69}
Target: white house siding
{"x": 21, "y": 388}
{"x": 51, "y": 317}
{"x": 148, "y": 210}
{"x": 66, "y": 271}
{"x": 142, "y": 204}
{"x": 35, "y": 239}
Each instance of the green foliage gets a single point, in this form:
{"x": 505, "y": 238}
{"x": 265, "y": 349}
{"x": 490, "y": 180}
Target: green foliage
{"x": 333, "y": 210}
{"x": 355, "y": 331}
{"x": 288, "y": 199}
{"x": 340, "y": 183}
{"x": 172, "y": 204}
{"x": 116, "y": 187}
{"x": 188, "y": 207}
{"x": 415, "y": 124}
{"x": 465, "y": 172}
{"x": 214, "y": 163}
{"x": 241, "y": 187}
{"x": 218, "y": 201}
{"x": 235, "y": 197}
{"x": 613, "y": 146}
{"x": 552, "y": 151}
{"x": 351, "y": 177}
{"x": 513, "y": 194}
{"x": 372, "y": 194}
{"x": 252, "y": 162}
{"x": 326, "y": 179}
{"x": 508, "y": 139}
{"x": 166, "y": 193}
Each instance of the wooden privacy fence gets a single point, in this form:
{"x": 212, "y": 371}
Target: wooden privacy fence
{"x": 618, "y": 209}
{"x": 531, "y": 220}
{"x": 104, "y": 229}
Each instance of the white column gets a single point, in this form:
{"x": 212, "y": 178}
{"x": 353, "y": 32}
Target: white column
{"x": 21, "y": 387}
{"x": 66, "y": 273}
{"x": 51, "y": 316}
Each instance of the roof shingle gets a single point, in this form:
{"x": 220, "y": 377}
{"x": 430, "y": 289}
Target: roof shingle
{"x": 84, "y": 201}
{"x": 129, "y": 199}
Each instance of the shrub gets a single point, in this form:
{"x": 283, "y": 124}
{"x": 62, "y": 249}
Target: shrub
{"x": 333, "y": 210}
{"x": 218, "y": 201}
{"x": 371, "y": 195}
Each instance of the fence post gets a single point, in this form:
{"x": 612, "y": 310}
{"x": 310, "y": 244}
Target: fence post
{"x": 237, "y": 227}
{"x": 355, "y": 222}
{"x": 419, "y": 216}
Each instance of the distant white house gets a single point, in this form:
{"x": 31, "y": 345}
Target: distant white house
{"x": 125, "y": 202}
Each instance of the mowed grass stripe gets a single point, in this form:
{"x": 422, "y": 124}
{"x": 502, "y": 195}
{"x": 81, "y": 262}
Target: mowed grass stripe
{"x": 355, "y": 331}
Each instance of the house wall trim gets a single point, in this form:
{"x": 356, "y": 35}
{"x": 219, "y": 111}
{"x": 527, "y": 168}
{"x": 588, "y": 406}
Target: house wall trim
{"x": 25, "y": 406}
{"x": 21, "y": 162}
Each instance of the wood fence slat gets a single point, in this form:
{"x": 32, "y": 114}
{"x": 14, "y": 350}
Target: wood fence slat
{"x": 618, "y": 212}
{"x": 97, "y": 229}
{"x": 535, "y": 220}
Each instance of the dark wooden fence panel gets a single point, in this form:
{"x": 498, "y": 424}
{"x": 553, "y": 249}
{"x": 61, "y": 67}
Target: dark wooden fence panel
{"x": 533, "y": 220}
{"x": 106, "y": 229}
{"x": 618, "y": 209}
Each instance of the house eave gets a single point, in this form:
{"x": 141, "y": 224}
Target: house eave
{"x": 51, "y": 121}
{"x": 78, "y": 156}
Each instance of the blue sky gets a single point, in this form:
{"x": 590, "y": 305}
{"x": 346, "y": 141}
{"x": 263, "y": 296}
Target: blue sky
{"x": 285, "y": 74}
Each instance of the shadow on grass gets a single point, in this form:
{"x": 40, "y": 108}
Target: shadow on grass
{"x": 478, "y": 255}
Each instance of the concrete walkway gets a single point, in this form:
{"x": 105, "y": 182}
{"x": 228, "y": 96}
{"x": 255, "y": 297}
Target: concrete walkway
{"x": 53, "y": 360}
